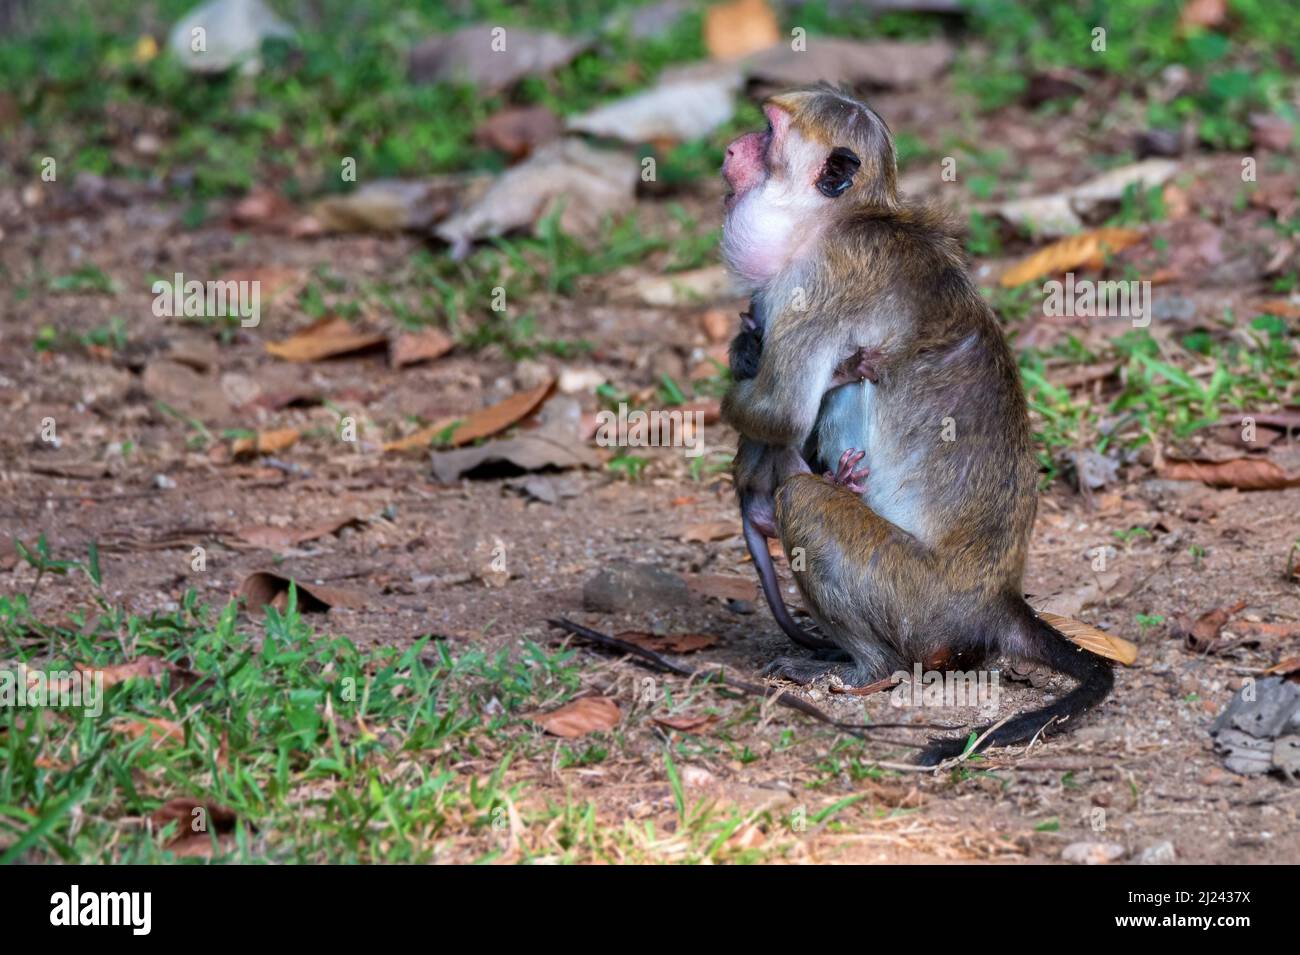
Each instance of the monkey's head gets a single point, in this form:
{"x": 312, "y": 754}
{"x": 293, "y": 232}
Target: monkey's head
{"x": 822, "y": 156}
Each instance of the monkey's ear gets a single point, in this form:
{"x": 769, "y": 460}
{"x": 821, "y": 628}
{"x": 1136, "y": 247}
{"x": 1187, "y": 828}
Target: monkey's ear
{"x": 837, "y": 174}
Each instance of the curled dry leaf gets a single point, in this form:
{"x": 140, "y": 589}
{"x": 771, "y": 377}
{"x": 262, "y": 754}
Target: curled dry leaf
{"x": 263, "y": 589}
{"x": 590, "y": 714}
{"x": 166, "y": 731}
{"x": 266, "y": 442}
{"x": 841, "y": 61}
{"x": 146, "y": 667}
{"x": 326, "y": 337}
{"x": 739, "y": 28}
{"x": 1245, "y": 474}
{"x": 424, "y": 345}
{"x": 196, "y": 823}
{"x": 723, "y": 586}
{"x": 477, "y": 424}
{"x": 709, "y": 531}
{"x": 1090, "y": 638}
{"x": 280, "y": 538}
{"x": 392, "y": 205}
{"x": 1087, "y": 250}
{"x": 687, "y": 724}
{"x": 680, "y": 109}
{"x": 669, "y": 642}
{"x": 473, "y": 55}
{"x": 518, "y": 131}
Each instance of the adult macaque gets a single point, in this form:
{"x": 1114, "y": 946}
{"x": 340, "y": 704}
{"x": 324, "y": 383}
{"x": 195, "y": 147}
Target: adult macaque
{"x": 870, "y": 355}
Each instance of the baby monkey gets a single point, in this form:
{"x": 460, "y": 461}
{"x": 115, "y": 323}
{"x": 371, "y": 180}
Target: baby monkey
{"x": 869, "y": 355}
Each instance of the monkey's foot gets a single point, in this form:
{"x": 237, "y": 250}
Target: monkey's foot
{"x": 805, "y": 670}
{"x": 845, "y": 475}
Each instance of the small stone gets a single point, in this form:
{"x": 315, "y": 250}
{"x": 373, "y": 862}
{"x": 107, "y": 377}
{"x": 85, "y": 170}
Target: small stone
{"x": 633, "y": 587}
{"x": 1162, "y": 853}
{"x": 163, "y": 482}
{"x": 1092, "y": 853}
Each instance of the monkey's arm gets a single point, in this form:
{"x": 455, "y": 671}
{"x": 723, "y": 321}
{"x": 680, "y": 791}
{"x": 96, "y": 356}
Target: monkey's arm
{"x": 779, "y": 405}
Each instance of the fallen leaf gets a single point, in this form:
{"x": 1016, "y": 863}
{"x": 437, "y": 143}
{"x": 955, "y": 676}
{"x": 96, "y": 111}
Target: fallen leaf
{"x": 196, "y": 823}
{"x": 1202, "y": 13}
{"x": 274, "y": 282}
{"x": 281, "y": 538}
{"x": 474, "y": 55}
{"x": 584, "y": 184}
{"x": 723, "y": 586}
{"x": 1061, "y": 213}
{"x": 589, "y": 714}
{"x": 392, "y": 205}
{"x": 1284, "y": 667}
{"x": 1281, "y": 307}
{"x": 845, "y": 62}
{"x": 264, "y": 209}
{"x": 477, "y": 424}
{"x": 708, "y": 284}
{"x": 263, "y": 588}
{"x": 1245, "y": 474}
{"x": 1090, "y": 638}
{"x": 424, "y": 345}
{"x": 709, "y": 531}
{"x": 518, "y": 131}
{"x": 266, "y": 442}
{"x": 166, "y": 731}
{"x": 739, "y": 28}
{"x": 687, "y": 724}
{"x": 669, "y": 642}
{"x": 1086, "y": 250}
{"x": 327, "y": 337}
{"x": 688, "y": 107}
{"x": 1202, "y": 634}
{"x": 146, "y": 667}
{"x": 233, "y": 32}
{"x": 185, "y": 390}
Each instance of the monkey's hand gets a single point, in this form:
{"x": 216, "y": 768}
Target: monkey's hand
{"x": 746, "y": 348}
{"x": 845, "y": 476}
{"x": 862, "y": 365}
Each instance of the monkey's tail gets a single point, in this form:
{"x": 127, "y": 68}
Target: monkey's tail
{"x": 1041, "y": 643}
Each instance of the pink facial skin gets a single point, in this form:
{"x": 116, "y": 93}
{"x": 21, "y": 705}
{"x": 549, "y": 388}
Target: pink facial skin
{"x": 745, "y": 165}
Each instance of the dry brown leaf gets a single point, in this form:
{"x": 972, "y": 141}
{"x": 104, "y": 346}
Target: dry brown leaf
{"x": 1245, "y": 474}
{"x": 274, "y": 281}
{"x": 266, "y": 442}
{"x": 740, "y": 28}
{"x": 1090, "y": 638}
{"x": 669, "y": 642}
{"x": 264, "y": 209}
{"x": 278, "y": 538}
{"x": 1086, "y": 250}
{"x": 1281, "y": 307}
{"x": 1284, "y": 667}
{"x": 148, "y": 667}
{"x": 519, "y": 130}
{"x": 196, "y": 822}
{"x": 326, "y": 337}
{"x": 687, "y": 724}
{"x": 590, "y": 714}
{"x": 1202, "y": 13}
{"x": 478, "y": 424}
{"x": 263, "y": 588}
{"x": 718, "y": 325}
{"x": 723, "y": 586}
{"x": 165, "y": 731}
{"x": 709, "y": 531}
{"x": 424, "y": 345}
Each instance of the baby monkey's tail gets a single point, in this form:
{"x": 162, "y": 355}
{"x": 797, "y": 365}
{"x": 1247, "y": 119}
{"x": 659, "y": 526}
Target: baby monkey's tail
{"x": 1037, "y": 642}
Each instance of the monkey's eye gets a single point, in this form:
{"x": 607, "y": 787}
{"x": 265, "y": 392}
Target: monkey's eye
{"x": 837, "y": 173}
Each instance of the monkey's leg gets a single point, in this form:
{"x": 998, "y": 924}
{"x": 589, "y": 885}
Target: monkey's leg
{"x": 858, "y": 570}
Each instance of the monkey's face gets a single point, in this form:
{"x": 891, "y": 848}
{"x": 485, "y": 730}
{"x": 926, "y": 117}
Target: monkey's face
{"x": 773, "y": 204}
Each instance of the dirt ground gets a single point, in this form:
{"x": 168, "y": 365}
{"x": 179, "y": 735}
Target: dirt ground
{"x": 1140, "y": 772}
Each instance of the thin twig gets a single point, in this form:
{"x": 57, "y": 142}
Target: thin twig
{"x": 781, "y": 697}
